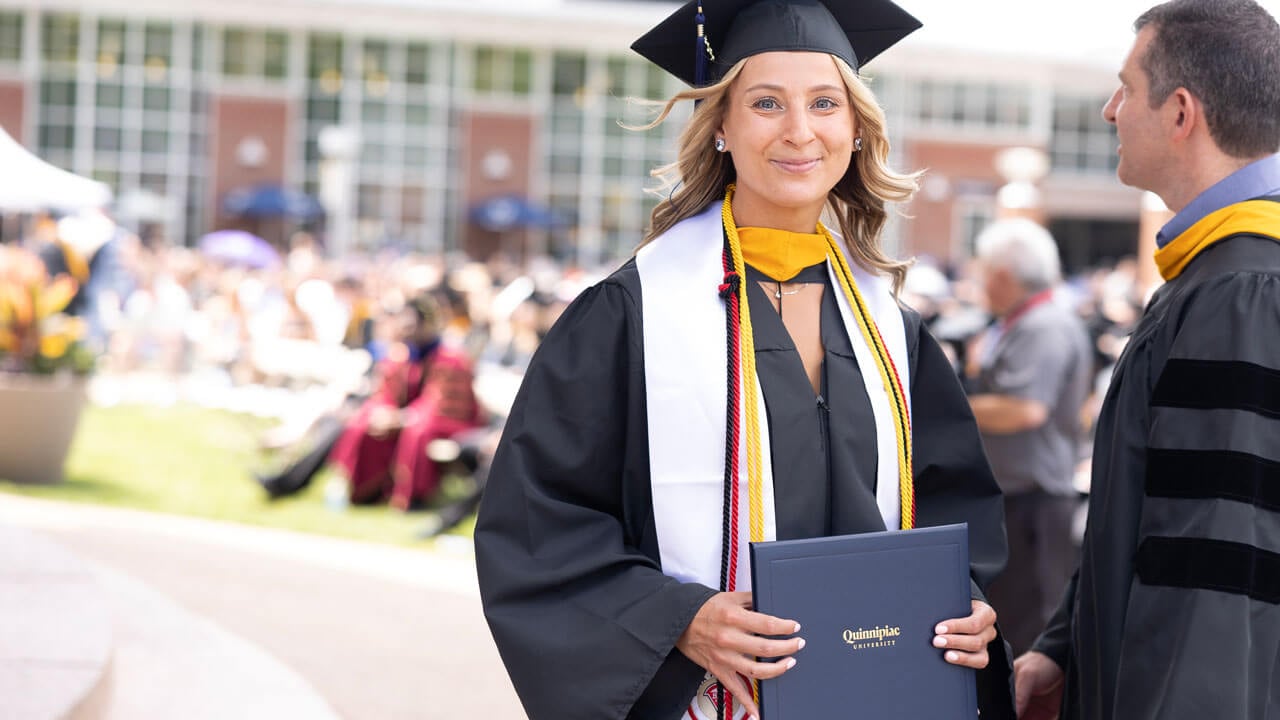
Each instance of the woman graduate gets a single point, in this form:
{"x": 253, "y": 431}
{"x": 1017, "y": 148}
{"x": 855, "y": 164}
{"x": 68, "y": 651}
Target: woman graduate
{"x": 748, "y": 376}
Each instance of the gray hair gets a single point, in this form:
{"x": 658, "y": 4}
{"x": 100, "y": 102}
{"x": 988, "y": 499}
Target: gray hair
{"x": 1025, "y": 249}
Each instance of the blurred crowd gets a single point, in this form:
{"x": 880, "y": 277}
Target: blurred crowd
{"x": 295, "y": 320}
{"x": 293, "y": 334}
{"x": 1108, "y": 299}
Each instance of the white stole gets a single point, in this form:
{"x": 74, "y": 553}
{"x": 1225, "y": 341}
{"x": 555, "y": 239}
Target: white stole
{"x": 685, "y": 359}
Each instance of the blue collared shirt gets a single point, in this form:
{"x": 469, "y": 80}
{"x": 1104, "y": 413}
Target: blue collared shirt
{"x": 1257, "y": 179}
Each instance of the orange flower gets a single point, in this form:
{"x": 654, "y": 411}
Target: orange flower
{"x": 35, "y": 334}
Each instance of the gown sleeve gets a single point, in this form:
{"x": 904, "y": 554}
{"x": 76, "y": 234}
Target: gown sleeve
{"x": 953, "y": 481}
{"x": 1055, "y": 640}
{"x": 1202, "y": 625}
{"x": 954, "y": 484}
{"x": 583, "y": 617}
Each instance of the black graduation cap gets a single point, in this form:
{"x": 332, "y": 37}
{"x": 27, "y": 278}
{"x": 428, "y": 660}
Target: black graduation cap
{"x": 853, "y": 30}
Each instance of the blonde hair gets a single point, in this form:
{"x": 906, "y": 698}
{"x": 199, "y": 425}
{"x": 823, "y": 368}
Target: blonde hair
{"x": 699, "y": 175}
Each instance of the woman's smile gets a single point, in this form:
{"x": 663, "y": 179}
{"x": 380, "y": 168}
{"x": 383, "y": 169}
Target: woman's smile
{"x": 796, "y": 166}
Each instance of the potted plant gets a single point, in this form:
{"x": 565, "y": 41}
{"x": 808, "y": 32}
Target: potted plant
{"x": 43, "y": 366}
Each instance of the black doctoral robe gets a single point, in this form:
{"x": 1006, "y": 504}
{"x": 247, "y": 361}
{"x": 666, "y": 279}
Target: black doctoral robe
{"x": 1175, "y": 610}
{"x": 566, "y": 549}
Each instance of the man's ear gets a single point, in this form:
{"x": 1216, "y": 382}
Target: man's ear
{"x": 1187, "y": 113}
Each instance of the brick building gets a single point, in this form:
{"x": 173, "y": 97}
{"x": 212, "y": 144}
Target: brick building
{"x": 453, "y": 103}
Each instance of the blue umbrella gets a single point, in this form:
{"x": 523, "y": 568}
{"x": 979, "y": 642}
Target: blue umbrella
{"x": 505, "y": 212}
{"x": 237, "y": 247}
{"x": 270, "y": 201}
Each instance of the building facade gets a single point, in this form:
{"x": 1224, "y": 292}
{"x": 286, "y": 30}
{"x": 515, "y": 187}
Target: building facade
{"x": 448, "y": 105}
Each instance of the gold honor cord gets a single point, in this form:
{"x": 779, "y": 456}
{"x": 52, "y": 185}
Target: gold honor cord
{"x": 751, "y": 388}
{"x": 888, "y": 376}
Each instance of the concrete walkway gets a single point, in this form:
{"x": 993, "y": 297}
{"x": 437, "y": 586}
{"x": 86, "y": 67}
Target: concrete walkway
{"x": 168, "y": 662}
{"x": 55, "y": 628}
{"x": 377, "y": 632}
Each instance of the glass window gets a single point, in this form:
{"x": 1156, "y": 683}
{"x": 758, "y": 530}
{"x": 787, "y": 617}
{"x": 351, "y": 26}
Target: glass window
{"x": 485, "y": 68}
{"x": 617, "y": 69}
{"x": 155, "y": 98}
{"x": 235, "y": 52}
{"x": 275, "y": 56}
{"x": 57, "y": 137}
{"x": 262, "y": 54}
{"x": 521, "y": 72}
{"x": 106, "y": 138}
{"x": 159, "y": 42}
{"x": 11, "y": 24}
{"x": 374, "y": 69}
{"x": 655, "y": 83}
{"x": 377, "y": 56}
{"x": 313, "y": 151}
{"x": 569, "y": 73}
{"x": 373, "y": 153}
{"x": 111, "y": 40}
{"x": 155, "y": 182}
{"x": 60, "y": 38}
{"x": 369, "y": 201}
{"x": 566, "y": 164}
{"x": 971, "y": 104}
{"x": 58, "y": 93}
{"x": 197, "y": 47}
{"x": 110, "y": 177}
{"x": 110, "y": 95}
{"x": 155, "y": 141}
{"x": 1082, "y": 140}
{"x": 323, "y": 109}
{"x": 324, "y": 55}
{"x": 324, "y": 62}
{"x": 374, "y": 111}
{"x": 417, "y": 114}
{"x": 412, "y": 205}
{"x": 417, "y": 71}
{"x": 415, "y": 157}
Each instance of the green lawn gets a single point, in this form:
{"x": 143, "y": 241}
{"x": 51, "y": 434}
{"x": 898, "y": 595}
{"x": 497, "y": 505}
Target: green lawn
{"x": 188, "y": 460}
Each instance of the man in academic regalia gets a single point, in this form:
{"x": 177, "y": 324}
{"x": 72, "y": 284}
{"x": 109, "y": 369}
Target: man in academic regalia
{"x": 423, "y": 393}
{"x": 1174, "y": 612}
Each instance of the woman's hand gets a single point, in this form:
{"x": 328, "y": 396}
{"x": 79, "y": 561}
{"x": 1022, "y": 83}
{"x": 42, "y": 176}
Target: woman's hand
{"x": 725, "y": 639}
{"x": 965, "y": 639}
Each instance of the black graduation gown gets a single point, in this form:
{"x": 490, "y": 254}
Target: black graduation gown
{"x": 1175, "y": 610}
{"x": 566, "y": 549}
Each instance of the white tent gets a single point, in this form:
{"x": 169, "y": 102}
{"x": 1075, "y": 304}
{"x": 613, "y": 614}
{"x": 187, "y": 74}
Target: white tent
{"x": 28, "y": 183}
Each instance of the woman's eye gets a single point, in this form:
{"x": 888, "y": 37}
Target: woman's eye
{"x": 766, "y": 104}
{"x": 824, "y": 104}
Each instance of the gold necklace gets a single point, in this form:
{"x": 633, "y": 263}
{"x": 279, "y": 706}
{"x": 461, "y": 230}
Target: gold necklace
{"x": 779, "y": 293}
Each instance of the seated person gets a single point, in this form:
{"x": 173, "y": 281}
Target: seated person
{"x": 423, "y": 393}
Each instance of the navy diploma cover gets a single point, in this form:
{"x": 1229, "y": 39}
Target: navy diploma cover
{"x": 867, "y": 605}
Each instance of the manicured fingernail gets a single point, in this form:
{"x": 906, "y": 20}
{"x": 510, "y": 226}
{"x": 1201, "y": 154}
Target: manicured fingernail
{"x": 953, "y": 656}
{"x": 797, "y": 628}
{"x": 939, "y": 641}
{"x": 801, "y": 644}
{"x": 940, "y": 630}
{"x": 791, "y": 662}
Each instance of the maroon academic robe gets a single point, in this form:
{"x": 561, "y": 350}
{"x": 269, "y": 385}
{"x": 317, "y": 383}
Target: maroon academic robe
{"x": 437, "y": 405}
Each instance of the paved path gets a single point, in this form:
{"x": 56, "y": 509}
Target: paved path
{"x": 381, "y": 633}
